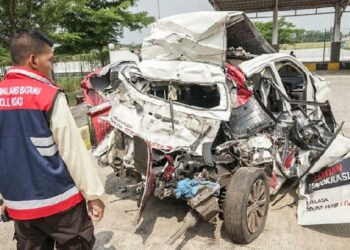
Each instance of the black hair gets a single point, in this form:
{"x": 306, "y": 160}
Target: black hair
{"x": 26, "y": 43}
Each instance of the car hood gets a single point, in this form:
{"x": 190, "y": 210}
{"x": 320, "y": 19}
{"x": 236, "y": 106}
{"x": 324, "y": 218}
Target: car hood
{"x": 202, "y": 37}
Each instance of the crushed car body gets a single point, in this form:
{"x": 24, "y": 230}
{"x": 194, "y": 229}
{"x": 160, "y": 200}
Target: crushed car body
{"x": 213, "y": 116}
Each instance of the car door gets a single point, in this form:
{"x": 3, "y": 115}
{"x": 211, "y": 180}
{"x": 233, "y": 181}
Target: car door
{"x": 301, "y": 85}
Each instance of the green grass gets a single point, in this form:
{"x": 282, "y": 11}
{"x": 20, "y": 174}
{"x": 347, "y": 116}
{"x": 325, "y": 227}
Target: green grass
{"x": 69, "y": 83}
{"x": 305, "y": 46}
{"x": 71, "y": 97}
{"x": 71, "y": 86}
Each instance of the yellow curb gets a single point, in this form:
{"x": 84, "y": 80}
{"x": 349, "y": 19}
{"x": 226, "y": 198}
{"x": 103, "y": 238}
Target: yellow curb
{"x": 310, "y": 66}
{"x": 333, "y": 66}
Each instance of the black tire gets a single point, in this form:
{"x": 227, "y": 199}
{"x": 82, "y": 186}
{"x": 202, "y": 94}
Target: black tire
{"x": 248, "y": 192}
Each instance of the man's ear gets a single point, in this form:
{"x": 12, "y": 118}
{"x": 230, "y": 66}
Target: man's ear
{"x": 33, "y": 62}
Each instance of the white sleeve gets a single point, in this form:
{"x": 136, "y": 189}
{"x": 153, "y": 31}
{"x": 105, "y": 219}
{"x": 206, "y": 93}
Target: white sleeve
{"x": 80, "y": 163}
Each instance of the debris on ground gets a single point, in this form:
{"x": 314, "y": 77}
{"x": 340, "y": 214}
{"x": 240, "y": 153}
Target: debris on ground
{"x": 213, "y": 116}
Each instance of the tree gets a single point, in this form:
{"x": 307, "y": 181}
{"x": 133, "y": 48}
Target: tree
{"x": 4, "y": 56}
{"x": 287, "y": 33}
{"x": 18, "y": 15}
{"x": 75, "y": 25}
{"x": 92, "y": 24}
{"x": 316, "y": 36}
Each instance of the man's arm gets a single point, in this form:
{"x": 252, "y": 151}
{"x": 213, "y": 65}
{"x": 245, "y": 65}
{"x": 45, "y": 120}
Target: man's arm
{"x": 80, "y": 163}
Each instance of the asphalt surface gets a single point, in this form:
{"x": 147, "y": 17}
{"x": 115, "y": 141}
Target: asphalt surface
{"x": 316, "y": 55}
{"x": 163, "y": 218}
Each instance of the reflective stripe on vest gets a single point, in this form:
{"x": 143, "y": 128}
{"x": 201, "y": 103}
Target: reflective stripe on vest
{"x": 34, "y": 180}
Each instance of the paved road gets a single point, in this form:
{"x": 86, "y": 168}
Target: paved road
{"x": 316, "y": 55}
{"x": 162, "y": 218}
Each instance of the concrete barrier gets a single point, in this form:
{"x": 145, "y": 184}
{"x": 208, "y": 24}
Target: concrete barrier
{"x": 331, "y": 66}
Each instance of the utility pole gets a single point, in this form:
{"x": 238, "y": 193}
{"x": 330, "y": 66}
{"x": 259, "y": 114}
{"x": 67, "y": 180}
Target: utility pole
{"x": 324, "y": 44}
{"x": 275, "y": 44}
{"x": 340, "y": 7}
{"x": 158, "y": 9}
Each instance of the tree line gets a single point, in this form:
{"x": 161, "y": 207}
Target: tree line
{"x": 76, "y": 26}
{"x": 87, "y": 26}
{"x": 289, "y": 34}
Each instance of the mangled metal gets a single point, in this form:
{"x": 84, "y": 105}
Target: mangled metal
{"x": 324, "y": 191}
{"x": 137, "y": 106}
{"x": 202, "y": 37}
{"x": 186, "y": 129}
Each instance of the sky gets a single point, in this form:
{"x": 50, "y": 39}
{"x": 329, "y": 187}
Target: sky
{"x": 173, "y": 7}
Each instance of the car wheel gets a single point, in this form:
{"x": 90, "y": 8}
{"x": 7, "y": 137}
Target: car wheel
{"x": 246, "y": 204}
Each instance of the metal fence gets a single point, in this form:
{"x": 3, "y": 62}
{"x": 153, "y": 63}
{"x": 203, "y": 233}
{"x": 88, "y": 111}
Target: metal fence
{"x": 315, "y": 45}
{"x": 308, "y": 46}
{"x": 67, "y": 71}
{"x": 64, "y": 68}
{"x": 73, "y": 70}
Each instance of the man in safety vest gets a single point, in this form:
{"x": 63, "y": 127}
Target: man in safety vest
{"x": 48, "y": 179}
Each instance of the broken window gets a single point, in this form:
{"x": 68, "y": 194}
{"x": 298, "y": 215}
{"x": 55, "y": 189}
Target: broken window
{"x": 202, "y": 96}
{"x": 293, "y": 79}
{"x": 265, "y": 91}
{"x": 244, "y": 34}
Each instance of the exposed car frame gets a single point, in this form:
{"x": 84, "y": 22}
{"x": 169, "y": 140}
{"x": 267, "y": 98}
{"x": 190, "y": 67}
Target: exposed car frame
{"x": 222, "y": 130}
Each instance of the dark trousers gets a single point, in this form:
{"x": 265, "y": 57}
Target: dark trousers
{"x": 72, "y": 229}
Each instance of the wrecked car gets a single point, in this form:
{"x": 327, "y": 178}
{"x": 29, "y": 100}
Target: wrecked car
{"x": 213, "y": 116}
